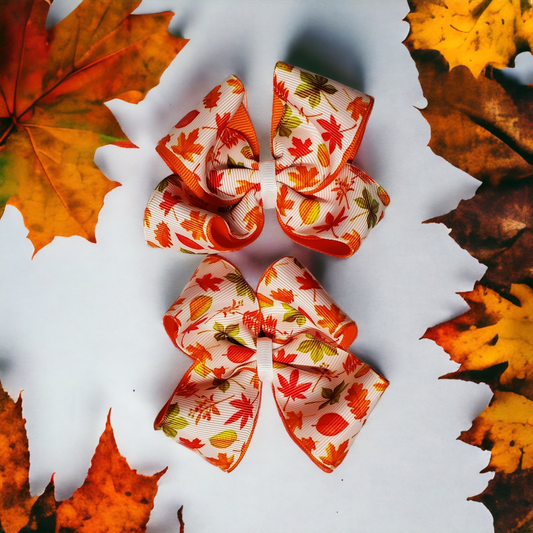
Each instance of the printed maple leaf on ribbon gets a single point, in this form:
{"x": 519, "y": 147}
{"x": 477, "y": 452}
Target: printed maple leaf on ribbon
{"x": 52, "y": 112}
{"x": 291, "y": 389}
{"x": 113, "y": 498}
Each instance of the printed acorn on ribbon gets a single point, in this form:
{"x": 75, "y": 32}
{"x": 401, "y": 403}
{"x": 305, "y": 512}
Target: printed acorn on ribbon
{"x": 215, "y": 199}
{"x": 324, "y": 393}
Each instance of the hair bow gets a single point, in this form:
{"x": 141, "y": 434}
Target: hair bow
{"x": 289, "y": 333}
{"x": 215, "y": 199}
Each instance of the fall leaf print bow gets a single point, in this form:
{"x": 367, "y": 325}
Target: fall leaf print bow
{"x": 215, "y": 199}
{"x": 289, "y": 333}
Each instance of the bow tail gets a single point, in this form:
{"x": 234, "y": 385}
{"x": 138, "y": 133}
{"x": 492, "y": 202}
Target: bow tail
{"x": 213, "y": 416}
{"x": 336, "y": 219}
{"x": 323, "y": 410}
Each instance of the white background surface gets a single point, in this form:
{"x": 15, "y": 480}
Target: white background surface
{"x": 81, "y": 323}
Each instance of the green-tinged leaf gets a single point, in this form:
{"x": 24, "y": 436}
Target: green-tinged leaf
{"x": 231, "y": 163}
{"x": 172, "y": 422}
{"x": 293, "y": 315}
{"x": 316, "y": 348}
{"x": 242, "y": 288}
{"x": 287, "y": 123}
{"x": 332, "y": 395}
{"x": 312, "y": 87}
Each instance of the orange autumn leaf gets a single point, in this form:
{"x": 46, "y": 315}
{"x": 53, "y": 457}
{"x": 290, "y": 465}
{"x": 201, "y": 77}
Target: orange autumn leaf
{"x": 495, "y": 331}
{"x": 222, "y": 461}
{"x": 300, "y": 149}
{"x": 307, "y": 444}
{"x": 358, "y": 401}
{"x": 270, "y": 274}
{"x": 294, "y": 420}
{"x": 335, "y": 456}
{"x": 304, "y": 177}
{"x": 308, "y": 282}
{"x": 237, "y": 85}
{"x": 475, "y": 33}
{"x": 186, "y": 147}
{"x": 199, "y": 353}
{"x": 330, "y": 318}
{"x": 14, "y": 466}
{"x": 244, "y": 186}
{"x": 253, "y": 218}
{"x": 52, "y": 113}
{"x": 211, "y": 100}
{"x": 283, "y": 295}
{"x": 113, "y": 498}
{"x": 354, "y": 240}
{"x": 358, "y": 108}
{"x": 283, "y": 203}
{"x": 195, "y": 225}
{"x": 162, "y": 235}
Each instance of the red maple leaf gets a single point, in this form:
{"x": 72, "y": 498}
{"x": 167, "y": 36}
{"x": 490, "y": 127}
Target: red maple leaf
{"x": 332, "y": 134}
{"x": 284, "y": 203}
{"x": 162, "y": 235}
{"x": 330, "y": 318}
{"x": 214, "y": 180}
{"x": 269, "y": 326}
{"x": 283, "y": 295}
{"x": 208, "y": 282}
{"x": 331, "y": 222}
{"x": 252, "y": 320}
{"x": 308, "y": 282}
{"x": 211, "y": 99}
{"x": 222, "y": 122}
{"x": 282, "y": 357}
{"x": 280, "y": 89}
{"x": 169, "y": 201}
{"x": 299, "y": 148}
{"x": 194, "y": 444}
{"x": 244, "y": 412}
{"x": 291, "y": 389}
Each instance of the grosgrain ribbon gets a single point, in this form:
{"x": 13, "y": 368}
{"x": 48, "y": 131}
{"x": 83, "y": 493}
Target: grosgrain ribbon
{"x": 215, "y": 199}
{"x": 289, "y": 334}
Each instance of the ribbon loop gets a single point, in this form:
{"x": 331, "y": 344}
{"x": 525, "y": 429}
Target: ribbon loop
{"x": 269, "y": 188}
{"x": 265, "y": 370}
{"x": 215, "y": 200}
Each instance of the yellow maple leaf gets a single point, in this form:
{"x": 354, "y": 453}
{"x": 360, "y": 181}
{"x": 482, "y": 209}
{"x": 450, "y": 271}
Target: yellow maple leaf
{"x": 494, "y": 331}
{"x": 475, "y": 34}
{"x": 505, "y": 428}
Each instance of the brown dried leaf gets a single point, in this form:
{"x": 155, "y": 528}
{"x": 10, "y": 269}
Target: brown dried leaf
{"x": 483, "y": 126}
{"x": 496, "y": 227}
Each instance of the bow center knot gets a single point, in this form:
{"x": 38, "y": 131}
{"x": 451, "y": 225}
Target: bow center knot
{"x": 269, "y": 188}
{"x": 265, "y": 371}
